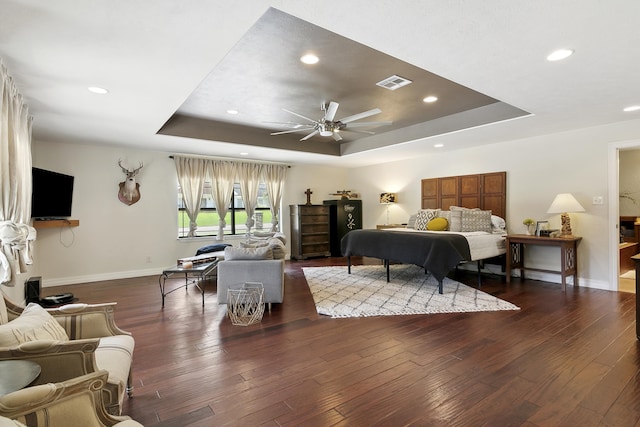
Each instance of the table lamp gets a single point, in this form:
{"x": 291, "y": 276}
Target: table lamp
{"x": 563, "y": 204}
{"x": 387, "y": 199}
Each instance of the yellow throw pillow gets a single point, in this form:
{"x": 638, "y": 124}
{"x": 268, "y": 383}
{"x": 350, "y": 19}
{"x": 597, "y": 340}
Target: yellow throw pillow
{"x": 438, "y": 224}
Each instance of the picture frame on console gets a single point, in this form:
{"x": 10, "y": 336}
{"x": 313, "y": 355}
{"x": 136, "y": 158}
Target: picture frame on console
{"x": 542, "y": 226}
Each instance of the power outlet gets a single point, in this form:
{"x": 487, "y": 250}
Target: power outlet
{"x": 148, "y": 260}
{"x": 598, "y": 200}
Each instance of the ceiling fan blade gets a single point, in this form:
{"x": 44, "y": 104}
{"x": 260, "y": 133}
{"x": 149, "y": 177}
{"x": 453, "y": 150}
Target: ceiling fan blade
{"x": 362, "y": 124}
{"x": 336, "y": 136}
{"x": 361, "y": 115}
{"x": 291, "y": 131}
{"x": 358, "y": 131}
{"x": 299, "y": 115}
{"x": 332, "y": 109}
{"x": 289, "y": 124}
{"x": 315, "y": 132}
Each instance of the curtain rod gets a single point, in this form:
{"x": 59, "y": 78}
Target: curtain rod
{"x": 233, "y": 159}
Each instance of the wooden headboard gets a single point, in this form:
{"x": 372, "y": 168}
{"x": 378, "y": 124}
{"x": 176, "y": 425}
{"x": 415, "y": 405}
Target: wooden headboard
{"x": 487, "y": 191}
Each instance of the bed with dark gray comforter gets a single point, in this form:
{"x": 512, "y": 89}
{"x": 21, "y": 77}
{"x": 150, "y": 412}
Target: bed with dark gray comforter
{"x": 437, "y": 252}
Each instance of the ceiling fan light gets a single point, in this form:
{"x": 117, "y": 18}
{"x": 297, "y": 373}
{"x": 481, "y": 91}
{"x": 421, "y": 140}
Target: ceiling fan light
{"x": 326, "y": 133}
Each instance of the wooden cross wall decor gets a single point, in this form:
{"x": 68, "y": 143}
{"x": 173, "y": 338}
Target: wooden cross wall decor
{"x": 308, "y": 193}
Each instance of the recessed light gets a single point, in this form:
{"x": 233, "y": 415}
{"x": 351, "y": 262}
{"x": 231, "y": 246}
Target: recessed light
{"x": 560, "y": 54}
{"x": 438, "y": 145}
{"x": 232, "y": 111}
{"x": 310, "y": 59}
{"x": 98, "y": 90}
{"x": 632, "y": 108}
{"x": 430, "y": 98}
{"x": 244, "y": 153}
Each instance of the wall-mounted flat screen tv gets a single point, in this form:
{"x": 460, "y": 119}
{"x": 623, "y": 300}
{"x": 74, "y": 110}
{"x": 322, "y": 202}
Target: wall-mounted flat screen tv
{"x": 52, "y": 194}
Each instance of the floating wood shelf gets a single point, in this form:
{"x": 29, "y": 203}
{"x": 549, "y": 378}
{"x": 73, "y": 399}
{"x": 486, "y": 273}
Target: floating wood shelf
{"x": 53, "y": 223}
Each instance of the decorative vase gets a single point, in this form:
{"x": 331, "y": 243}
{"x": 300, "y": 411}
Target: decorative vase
{"x": 531, "y": 230}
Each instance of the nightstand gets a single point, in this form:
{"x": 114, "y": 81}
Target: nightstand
{"x": 568, "y": 255}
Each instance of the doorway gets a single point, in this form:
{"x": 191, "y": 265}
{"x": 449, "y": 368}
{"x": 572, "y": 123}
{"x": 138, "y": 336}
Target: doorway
{"x": 626, "y": 213}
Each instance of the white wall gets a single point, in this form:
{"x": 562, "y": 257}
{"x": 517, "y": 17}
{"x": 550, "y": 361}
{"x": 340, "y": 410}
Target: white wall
{"x": 118, "y": 241}
{"x": 537, "y": 169}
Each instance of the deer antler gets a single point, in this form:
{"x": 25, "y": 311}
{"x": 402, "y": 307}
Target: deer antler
{"x": 135, "y": 171}
{"x": 129, "y": 173}
{"x": 122, "y": 167}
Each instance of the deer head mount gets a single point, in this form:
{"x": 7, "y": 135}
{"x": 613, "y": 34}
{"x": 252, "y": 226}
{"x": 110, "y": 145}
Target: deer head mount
{"x": 129, "y": 191}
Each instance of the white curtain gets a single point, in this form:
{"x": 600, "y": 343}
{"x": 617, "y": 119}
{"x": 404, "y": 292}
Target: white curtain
{"x": 274, "y": 176}
{"x": 191, "y": 176}
{"x": 249, "y": 177}
{"x": 223, "y": 175}
{"x": 16, "y": 235}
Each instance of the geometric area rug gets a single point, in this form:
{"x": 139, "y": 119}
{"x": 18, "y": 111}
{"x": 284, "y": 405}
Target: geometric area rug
{"x": 365, "y": 292}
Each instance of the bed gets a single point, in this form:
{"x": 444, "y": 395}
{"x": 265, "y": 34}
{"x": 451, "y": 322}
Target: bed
{"x": 474, "y": 206}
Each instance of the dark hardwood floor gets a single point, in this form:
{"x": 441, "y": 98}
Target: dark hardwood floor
{"x": 567, "y": 359}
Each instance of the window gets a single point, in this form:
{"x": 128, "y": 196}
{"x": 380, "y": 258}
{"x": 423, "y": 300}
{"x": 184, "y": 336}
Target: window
{"x": 236, "y": 218}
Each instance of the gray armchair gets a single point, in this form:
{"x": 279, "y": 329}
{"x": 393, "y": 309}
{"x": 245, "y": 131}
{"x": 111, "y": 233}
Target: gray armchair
{"x": 259, "y": 261}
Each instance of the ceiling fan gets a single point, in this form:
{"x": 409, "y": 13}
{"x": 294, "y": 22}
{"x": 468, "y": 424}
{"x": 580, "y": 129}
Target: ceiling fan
{"x": 327, "y": 126}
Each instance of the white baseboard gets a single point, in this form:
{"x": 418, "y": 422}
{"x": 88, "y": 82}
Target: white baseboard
{"x": 470, "y": 266}
{"x": 537, "y": 275}
{"x": 62, "y": 281}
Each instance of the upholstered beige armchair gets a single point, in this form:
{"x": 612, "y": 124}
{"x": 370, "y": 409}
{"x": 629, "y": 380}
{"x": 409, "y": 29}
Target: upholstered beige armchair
{"x": 69, "y": 342}
{"x": 73, "y": 403}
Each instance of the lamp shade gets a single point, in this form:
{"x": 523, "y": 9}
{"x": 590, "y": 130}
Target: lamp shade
{"x": 386, "y": 198}
{"x": 565, "y": 202}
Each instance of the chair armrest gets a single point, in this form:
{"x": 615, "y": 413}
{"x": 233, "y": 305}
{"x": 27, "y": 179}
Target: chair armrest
{"x": 73, "y": 402}
{"x": 58, "y": 360}
{"x": 79, "y": 320}
{"x": 88, "y": 320}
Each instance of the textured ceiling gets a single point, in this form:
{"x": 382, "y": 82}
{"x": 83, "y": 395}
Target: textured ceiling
{"x": 155, "y": 55}
{"x": 263, "y": 74}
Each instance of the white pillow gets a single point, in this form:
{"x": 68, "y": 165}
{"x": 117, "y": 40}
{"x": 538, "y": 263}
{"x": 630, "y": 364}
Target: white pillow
{"x": 411, "y": 223}
{"x": 277, "y": 247}
{"x": 253, "y": 245}
{"x": 455, "y": 220}
{"x": 231, "y": 253}
{"x": 33, "y": 324}
{"x": 497, "y": 222}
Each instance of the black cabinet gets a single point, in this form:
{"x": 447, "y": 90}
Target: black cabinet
{"x": 344, "y": 216}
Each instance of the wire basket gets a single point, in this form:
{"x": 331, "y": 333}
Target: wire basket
{"x": 245, "y": 303}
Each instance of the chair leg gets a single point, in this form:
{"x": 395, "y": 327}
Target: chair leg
{"x": 129, "y": 388}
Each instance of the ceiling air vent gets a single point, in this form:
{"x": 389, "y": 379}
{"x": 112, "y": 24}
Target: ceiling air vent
{"x": 394, "y": 82}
